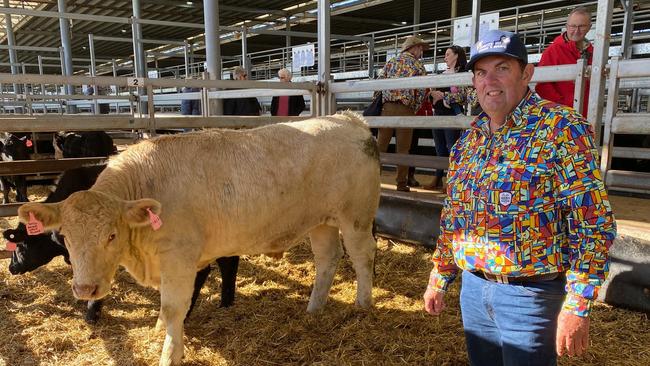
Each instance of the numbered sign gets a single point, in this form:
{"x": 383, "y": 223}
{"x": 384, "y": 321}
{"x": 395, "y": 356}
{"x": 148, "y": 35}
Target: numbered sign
{"x": 135, "y": 82}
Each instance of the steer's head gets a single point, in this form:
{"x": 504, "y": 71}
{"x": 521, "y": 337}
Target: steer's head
{"x": 97, "y": 229}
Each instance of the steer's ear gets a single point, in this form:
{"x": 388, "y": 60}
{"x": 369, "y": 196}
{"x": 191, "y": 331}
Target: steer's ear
{"x": 48, "y": 214}
{"x": 137, "y": 212}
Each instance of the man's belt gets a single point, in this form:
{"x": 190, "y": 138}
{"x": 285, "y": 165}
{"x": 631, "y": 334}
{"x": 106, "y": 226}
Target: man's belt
{"x": 519, "y": 279}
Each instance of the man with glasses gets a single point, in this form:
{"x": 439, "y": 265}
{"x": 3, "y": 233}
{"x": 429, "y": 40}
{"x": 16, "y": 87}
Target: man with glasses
{"x": 241, "y": 106}
{"x": 287, "y": 105}
{"x": 566, "y": 49}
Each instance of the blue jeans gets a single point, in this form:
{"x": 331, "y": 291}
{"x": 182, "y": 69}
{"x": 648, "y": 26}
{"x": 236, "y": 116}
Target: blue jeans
{"x": 444, "y": 139}
{"x": 511, "y": 324}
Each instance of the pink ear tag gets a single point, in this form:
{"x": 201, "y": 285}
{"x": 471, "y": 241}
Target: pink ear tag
{"x": 155, "y": 220}
{"x": 29, "y": 143}
{"x": 11, "y": 246}
{"x": 34, "y": 227}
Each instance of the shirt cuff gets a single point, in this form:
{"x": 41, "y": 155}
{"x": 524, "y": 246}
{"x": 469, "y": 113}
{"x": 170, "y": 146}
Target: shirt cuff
{"x": 577, "y": 305}
{"x": 438, "y": 282}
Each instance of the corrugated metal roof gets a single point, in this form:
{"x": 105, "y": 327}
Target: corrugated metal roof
{"x": 371, "y": 15}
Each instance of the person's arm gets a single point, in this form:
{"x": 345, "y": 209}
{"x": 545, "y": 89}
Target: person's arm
{"x": 589, "y": 220}
{"x": 459, "y": 96}
{"x": 274, "y": 106}
{"x": 444, "y": 268}
{"x": 300, "y": 105}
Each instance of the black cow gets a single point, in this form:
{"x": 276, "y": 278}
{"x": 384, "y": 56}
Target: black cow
{"x": 14, "y": 148}
{"x": 34, "y": 251}
{"x": 84, "y": 144}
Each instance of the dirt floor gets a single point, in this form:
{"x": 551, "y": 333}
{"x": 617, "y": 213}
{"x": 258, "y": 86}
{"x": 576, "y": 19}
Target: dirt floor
{"x": 42, "y": 324}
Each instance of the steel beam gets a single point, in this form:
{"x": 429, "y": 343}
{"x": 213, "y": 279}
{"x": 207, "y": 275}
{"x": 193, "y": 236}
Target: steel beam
{"x": 64, "y": 28}
{"x": 212, "y": 50}
{"x": 476, "y": 20}
{"x": 324, "y": 57}
{"x": 601, "y": 47}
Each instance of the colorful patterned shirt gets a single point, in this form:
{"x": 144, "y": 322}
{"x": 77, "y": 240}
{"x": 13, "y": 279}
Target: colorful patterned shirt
{"x": 403, "y": 66}
{"x": 527, "y": 200}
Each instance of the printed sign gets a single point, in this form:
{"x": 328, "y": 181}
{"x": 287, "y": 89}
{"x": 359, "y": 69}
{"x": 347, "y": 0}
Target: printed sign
{"x": 135, "y": 82}
{"x": 463, "y": 27}
{"x": 303, "y": 56}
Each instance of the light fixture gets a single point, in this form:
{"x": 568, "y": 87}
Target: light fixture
{"x": 123, "y": 30}
{"x": 188, "y": 3}
{"x": 403, "y": 23}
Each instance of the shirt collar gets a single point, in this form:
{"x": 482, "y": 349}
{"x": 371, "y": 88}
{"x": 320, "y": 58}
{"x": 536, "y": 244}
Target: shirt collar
{"x": 514, "y": 118}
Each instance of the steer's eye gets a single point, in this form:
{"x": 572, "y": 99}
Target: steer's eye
{"x": 111, "y": 237}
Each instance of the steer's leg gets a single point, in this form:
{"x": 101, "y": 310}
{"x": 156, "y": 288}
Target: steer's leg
{"x": 326, "y": 245}
{"x": 361, "y": 247}
{"x": 177, "y": 283}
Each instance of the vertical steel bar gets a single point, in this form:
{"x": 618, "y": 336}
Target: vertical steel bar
{"x": 476, "y": 20}
{"x": 324, "y": 55}
{"x": 212, "y": 49}
{"x": 601, "y": 48}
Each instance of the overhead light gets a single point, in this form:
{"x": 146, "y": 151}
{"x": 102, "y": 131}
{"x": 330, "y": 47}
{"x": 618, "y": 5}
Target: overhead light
{"x": 188, "y": 3}
{"x": 403, "y": 23}
{"x": 123, "y": 30}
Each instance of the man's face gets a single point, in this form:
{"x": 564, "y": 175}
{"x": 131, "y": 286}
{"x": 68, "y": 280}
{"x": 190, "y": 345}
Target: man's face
{"x": 243, "y": 76}
{"x": 500, "y": 84}
{"x": 285, "y": 78}
{"x": 577, "y": 27}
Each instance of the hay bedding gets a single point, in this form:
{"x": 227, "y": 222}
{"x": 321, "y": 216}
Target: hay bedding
{"x": 42, "y": 324}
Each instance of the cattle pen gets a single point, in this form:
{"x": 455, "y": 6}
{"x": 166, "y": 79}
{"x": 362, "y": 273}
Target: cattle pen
{"x": 138, "y": 96}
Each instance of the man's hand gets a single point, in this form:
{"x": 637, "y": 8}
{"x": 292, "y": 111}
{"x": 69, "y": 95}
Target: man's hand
{"x": 572, "y": 334}
{"x": 434, "y": 301}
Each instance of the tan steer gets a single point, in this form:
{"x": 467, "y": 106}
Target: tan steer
{"x": 222, "y": 193}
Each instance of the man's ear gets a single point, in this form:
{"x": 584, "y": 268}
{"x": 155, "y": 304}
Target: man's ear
{"x": 136, "y": 213}
{"x": 49, "y": 214}
{"x": 527, "y": 75}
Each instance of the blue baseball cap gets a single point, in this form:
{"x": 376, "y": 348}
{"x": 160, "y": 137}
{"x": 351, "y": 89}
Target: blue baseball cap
{"x": 497, "y": 43}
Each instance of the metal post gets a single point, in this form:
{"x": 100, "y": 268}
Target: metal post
{"x": 435, "y": 46}
{"x": 601, "y": 47}
{"x": 324, "y": 55}
{"x": 64, "y": 28}
{"x": 476, "y": 19}
{"x": 244, "y": 50}
{"x": 186, "y": 53}
{"x": 137, "y": 36}
{"x": 212, "y": 49}
{"x": 579, "y": 89}
{"x": 371, "y": 58}
{"x": 93, "y": 70}
{"x": 628, "y": 19}
{"x": 416, "y": 16}
{"x": 11, "y": 41}
{"x": 40, "y": 72}
{"x": 612, "y": 106}
{"x": 287, "y": 23}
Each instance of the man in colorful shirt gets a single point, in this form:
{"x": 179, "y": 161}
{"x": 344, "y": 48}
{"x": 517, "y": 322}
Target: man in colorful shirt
{"x": 402, "y": 102}
{"x": 567, "y": 49}
{"x": 526, "y": 218}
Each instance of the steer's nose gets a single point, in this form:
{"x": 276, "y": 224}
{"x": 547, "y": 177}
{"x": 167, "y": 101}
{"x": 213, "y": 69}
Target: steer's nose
{"x": 84, "y": 292}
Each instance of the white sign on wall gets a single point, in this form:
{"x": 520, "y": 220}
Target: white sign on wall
{"x": 302, "y": 56}
{"x": 463, "y": 28}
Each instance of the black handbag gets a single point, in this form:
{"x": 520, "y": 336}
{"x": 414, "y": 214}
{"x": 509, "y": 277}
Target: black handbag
{"x": 374, "y": 108}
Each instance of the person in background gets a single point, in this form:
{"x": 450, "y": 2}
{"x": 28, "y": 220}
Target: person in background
{"x": 567, "y": 49}
{"x": 402, "y": 102}
{"x": 526, "y": 218}
{"x": 190, "y": 107}
{"x": 287, "y": 105}
{"x": 241, "y": 106}
{"x": 448, "y": 102}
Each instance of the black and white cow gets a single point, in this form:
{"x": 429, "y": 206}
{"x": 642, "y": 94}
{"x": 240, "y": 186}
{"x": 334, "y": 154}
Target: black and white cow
{"x": 14, "y": 148}
{"x": 32, "y": 252}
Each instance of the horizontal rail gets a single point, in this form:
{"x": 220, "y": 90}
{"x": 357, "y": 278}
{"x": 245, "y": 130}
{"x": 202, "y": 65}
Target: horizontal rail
{"x": 631, "y": 123}
{"x": 542, "y": 74}
{"x": 420, "y": 161}
{"x": 631, "y": 152}
{"x": 24, "y": 167}
{"x": 71, "y": 123}
{"x": 633, "y": 68}
{"x": 460, "y": 122}
{"x": 627, "y": 179}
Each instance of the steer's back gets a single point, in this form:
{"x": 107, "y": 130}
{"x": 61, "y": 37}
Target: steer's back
{"x": 254, "y": 191}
